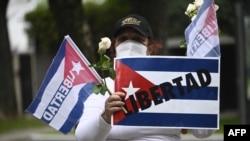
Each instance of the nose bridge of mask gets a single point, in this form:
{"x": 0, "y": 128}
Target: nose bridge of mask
{"x": 131, "y": 48}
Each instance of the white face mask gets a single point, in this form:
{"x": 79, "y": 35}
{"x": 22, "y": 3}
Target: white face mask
{"x": 131, "y": 48}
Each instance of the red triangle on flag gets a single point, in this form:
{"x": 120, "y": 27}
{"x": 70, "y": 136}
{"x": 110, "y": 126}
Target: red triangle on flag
{"x": 76, "y": 68}
{"x": 124, "y": 76}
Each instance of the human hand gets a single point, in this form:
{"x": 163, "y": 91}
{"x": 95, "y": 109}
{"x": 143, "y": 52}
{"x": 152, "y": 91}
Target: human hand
{"x": 113, "y": 104}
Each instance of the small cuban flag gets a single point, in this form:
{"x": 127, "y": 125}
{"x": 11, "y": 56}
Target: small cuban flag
{"x": 67, "y": 84}
{"x": 202, "y": 34}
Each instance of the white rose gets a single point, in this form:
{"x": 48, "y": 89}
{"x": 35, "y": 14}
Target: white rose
{"x": 104, "y": 44}
{"x": 198, "y": 3}
{"x": 190, "y": 8}
{"x": 216, "y": 7}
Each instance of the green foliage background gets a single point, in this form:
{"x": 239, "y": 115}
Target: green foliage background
{"x": 42, "y": 29}
{"x": 101, "y": 18}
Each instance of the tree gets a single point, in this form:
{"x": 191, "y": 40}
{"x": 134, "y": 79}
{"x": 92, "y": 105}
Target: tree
{"x": 155, "y": 11}
{"x": 69, "y": 19}
{"x": 42, "y": 30}
{"x": 7, "y": 91}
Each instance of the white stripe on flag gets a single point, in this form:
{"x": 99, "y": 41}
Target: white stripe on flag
{"x": 50, "y": 90}
{"x": 185, "y": 106}
{"x": 66, "y": 107}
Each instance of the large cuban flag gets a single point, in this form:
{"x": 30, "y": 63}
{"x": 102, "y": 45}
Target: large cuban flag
{"x": 67, "y": 84}
{"x": 171, "y": 92}
{"x": 202, "y": 34}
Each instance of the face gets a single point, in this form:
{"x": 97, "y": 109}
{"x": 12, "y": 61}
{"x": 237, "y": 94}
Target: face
{"x": 130, "y": 34}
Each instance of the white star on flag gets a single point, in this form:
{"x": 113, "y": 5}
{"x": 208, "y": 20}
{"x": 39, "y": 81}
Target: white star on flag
{"x": 77, "y": 67}
{"x": 130, "y": 90}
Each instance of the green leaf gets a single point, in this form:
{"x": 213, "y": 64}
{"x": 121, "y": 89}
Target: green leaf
{"x": 103, "y": 90}
{"x": 97, "y": 88}
{"x": 106, "y": 65}
{"x": 183, "y": 44}
{"x": 105, "y": 57}
{"x": 112, "y": 73}
{"x": 92, "y": 65}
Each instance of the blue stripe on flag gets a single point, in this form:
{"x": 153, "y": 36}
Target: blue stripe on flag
{"x": 75, "y": 114}
{"x": 171, "y": 120}
{"x": 49, "y": 105}
{"x": 50, "y": 73}
{"x": 177, "y": 64}
{"x": 213, "y": 52}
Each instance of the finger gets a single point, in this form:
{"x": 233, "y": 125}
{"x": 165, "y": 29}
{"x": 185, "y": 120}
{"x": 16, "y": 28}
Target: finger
{"x": 114, "y": 98}
{"x": 117, "y": 104}
{"x": 121, "y": 94}
{"x": 114, "y": 104}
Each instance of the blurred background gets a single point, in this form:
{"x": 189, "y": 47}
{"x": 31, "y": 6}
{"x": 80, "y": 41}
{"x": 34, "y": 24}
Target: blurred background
{"x": 31, "y": 32}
